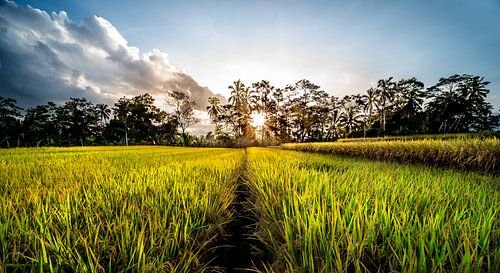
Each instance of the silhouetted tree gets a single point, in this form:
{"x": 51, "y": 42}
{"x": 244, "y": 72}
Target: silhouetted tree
{"x": 122, "y": 112}
{"x": 408, "y": 104}
{"x": 10, "y": 124}
{"x": 335, "y": 129}
{"x": 457, "y": 104}
{"x": 298, "y": 112}
{"x": 78, "y": 119}
{"x": 138, "y": 117}
{"x": 385, "y": 92}
{"x": 184, "y": 112}
{"x": 104, "y": 112}
{"x": 167, "y": 130}
{"x": 41, "y": 126}
{"x": 350, "y": 118}
{"x": 241, "y": 98}
{"x": 214, "y": 110}
{"x": 370, "y": 104}
{"x": 263, "y": 103}
{"x": 301, "y": 111}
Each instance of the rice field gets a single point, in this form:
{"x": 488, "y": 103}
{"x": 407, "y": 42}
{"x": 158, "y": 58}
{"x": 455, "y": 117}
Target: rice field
{"x": 323, "y": 213}
{"x": 170, "y": 209}
{"x": 464, "y": 154}
{"x": 481, "y": 135}
{"x": 112, "y": 209}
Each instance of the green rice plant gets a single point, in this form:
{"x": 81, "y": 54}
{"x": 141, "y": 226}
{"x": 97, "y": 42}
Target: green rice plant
{"x": 480, "y": 135}
{"x": 113, "y": 209}
{"x": 465, "y": 154}
{"x": 322, "y": 213}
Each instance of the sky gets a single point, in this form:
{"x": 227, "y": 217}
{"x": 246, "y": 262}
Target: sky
{"x": 53, "y": 50}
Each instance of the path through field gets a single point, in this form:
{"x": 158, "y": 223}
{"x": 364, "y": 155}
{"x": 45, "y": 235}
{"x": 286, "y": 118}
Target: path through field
{"x": 237, "y": 250}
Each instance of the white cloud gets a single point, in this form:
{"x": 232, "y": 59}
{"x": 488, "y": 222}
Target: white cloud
{"x": 49, "y": 57}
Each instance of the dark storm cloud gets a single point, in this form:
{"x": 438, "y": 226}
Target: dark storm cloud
{"x": 181, "y": 81}
{"x": 49, "y": 57}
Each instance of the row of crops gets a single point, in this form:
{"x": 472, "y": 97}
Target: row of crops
{"x": 164, "y": 209}
{"x": 134, "y": 209}
{"x": 322, "y": 213}
{"x": 465, "y": 154}
{"x": 463, "y": 136}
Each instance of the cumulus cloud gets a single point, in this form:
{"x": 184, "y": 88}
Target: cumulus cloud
{"x": 49, "y": 57}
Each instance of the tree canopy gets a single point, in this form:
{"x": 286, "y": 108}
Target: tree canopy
{"x": 294, "y": 113}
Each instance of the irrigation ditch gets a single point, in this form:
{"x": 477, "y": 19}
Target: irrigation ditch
{"x": 236, "y": 249}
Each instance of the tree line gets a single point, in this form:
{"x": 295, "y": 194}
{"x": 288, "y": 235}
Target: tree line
{"x": 79, "y": 122}
{"x": 298, "y": 112}
{"x": 303, "y": 112}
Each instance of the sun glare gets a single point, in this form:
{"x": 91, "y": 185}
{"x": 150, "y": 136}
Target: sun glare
{"x": 258, "y": 119}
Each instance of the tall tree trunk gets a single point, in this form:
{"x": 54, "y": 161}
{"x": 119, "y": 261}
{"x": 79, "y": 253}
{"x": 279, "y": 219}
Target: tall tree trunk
{"x": 184, "y": 137}
{"x": 126, "y": 135}
{"x": 383, "y": 120}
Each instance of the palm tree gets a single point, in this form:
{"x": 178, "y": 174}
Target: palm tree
{"x": 335, "y": 122}
{"x": 370, "y": 101}
{"x": 214, "y": 110}
{"x": 385, "y": 93}
{"x": 443, "y": 108}
{"x": 476, "y": 88}
{"x": 369, "y": 104}
{"x": 261, "y": 97}
{"x": 477, "y": 109}
{"x": 412, "y": 97}
{"x": 103, "y": 111}
{"x": 240, "y": 99}
{"x": 238, "y": 91}
{"x": 350, "y": 118}
{"x": 262, "y": 101}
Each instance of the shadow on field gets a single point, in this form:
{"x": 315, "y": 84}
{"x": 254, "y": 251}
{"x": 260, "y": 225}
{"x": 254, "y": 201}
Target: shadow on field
{"x": 236, "y": 250}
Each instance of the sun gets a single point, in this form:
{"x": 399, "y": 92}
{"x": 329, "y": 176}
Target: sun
{"x": 258, "y": 119}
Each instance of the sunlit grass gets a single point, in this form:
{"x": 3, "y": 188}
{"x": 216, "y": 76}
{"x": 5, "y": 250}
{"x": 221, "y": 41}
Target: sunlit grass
{"x": 112, "y": 209}
{"x": 421, "y": 137}
{"x": 470, "y": 154}
{"x": 322, "y": 213}
{"x": 159, "y": 209}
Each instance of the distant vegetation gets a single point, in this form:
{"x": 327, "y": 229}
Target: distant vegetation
{"x": 301, "y": 112}
{"x": 79, "y": 122}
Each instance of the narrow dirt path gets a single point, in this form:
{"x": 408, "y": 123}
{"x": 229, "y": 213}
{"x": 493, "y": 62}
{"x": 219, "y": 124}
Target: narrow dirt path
{"x": 236, "y": 250}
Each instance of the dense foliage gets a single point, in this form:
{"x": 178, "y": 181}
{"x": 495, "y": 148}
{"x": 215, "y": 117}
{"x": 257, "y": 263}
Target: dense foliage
{"x": 79, "y": 122}
{"x": 301, "y": 112}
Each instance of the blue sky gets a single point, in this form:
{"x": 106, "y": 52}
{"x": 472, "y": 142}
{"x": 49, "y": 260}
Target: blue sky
{"x": 344, "y": 46}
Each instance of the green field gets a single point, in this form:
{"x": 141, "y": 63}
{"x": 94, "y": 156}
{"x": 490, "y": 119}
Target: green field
{"x": 321, "y": 213}
{"x": 463, "y": 136}
{"x": 112, "y": 209}
{"x": 165, "y": 209}
{"x": 458, "y": 153}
